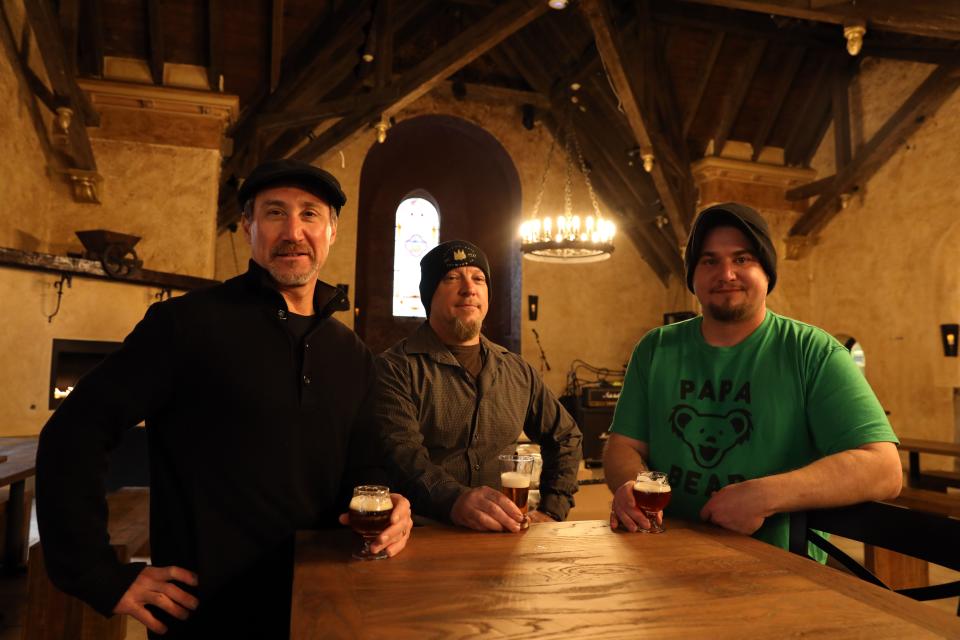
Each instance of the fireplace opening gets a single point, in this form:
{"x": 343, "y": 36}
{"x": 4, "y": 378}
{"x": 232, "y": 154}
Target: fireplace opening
{"x": 70, "y": 361}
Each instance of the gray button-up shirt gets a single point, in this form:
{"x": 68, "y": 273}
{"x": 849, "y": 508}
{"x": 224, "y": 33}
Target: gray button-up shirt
{"x": 443, "y": 429}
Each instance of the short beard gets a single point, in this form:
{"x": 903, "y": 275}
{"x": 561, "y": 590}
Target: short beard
{"x": 466, "y": 330}
{"x": 727, "y": 314}
{"x": 293, "y": 279}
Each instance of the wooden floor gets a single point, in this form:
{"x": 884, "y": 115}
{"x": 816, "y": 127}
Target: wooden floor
{"x": 593, "y": 503}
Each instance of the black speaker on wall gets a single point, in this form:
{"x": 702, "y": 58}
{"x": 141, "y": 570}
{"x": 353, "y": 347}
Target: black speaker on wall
{"x": 594, "y": 423}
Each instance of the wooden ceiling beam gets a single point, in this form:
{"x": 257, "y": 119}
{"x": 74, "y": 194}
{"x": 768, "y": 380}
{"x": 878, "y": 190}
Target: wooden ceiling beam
{"x": 69, "y": 26}
{"x": 707, "y": 70}
{"x": 737, "y": 93}
{"x": 90, "y": 59}
{"x": 276, "y": 43}
{"x": 819, "y": 79}
{"x": 46, "y": 28}
{"x": 383, "y": 55}
{"x": 476, "y": 40}
{"x": 155, "y": 40}
{"x": 788, "y": 73}
{"x": 840, "y": 112}
{"x": 927, "y": 18}
{"x": 599, "y": 17}
{"x": 215, "y": 44}
{"x": 921, "y": 105}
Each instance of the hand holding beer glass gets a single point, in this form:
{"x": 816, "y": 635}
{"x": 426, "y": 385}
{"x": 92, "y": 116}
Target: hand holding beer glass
{"x": 370, "y": 511}
{"x": 651, "y": 492}
{"x": 515, "y": 474}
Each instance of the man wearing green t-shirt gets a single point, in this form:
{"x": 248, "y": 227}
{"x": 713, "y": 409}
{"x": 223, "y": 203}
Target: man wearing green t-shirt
{"x": 752, "y": 415}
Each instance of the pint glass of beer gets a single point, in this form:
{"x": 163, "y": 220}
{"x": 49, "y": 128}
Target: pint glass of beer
{"x": 370, "y": 510}
{"x": 652, "y": 494}
{"x": 515, "y": 474}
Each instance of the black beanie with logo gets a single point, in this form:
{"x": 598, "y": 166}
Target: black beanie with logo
{"x": 444, "y": 257}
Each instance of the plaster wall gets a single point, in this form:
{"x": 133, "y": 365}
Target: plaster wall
{"x": 884, "y": 270}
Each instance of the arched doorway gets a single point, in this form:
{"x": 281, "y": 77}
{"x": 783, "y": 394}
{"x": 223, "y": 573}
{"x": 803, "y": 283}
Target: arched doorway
{"x": 476, "y": 189}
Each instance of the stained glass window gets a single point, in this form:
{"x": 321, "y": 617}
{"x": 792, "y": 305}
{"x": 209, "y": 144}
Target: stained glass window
{"x": 417, "y": 231}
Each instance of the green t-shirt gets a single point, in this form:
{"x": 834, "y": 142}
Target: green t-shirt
{"x": 787, "y": 395}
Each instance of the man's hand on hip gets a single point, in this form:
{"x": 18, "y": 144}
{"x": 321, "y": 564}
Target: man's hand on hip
{"x": 486, "y": 509}
{"x": 154, "y": 586}
{"x": 740, "y": 507}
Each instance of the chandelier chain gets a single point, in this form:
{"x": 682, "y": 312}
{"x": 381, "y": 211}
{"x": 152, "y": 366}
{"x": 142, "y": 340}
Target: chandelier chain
{"x": 543, "y": 179}
{"x": 586, "y": 173}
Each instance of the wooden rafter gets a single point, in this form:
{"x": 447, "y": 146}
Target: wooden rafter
{"x": 90, "y": 60}
{"x": 921, "y": 104}
{"x": 788, "y": 72}
{"x": 155, "y": 38}
{"x": 707, "y": 71}
{"x": 929, "y": 18}
{"x": 383, "y": 48}
{"x": 611, "y": 52}
{"x": 276, "y": 43}
{"x": 840, "y": 112}
{"x": 453, "y": 56}
{"x": 46, "y": 27}
{"x": 69, "y": 26}
{"x": 738, "y": 93}
{"x": 819, "y": 79}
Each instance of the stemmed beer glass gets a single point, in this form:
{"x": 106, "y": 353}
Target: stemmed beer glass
{"x": 651, "y": 491}
{"x": 370, "y": 511}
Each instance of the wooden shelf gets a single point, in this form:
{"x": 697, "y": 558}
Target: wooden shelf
{"x": 93, "y": 269}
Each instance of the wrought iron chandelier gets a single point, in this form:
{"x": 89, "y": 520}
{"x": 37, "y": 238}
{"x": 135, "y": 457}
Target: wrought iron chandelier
{"x": 567, "y": 238}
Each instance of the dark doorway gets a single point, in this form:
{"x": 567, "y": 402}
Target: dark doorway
{"x": 477, "y": 190}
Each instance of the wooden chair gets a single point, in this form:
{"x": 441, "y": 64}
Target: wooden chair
{"x": 922, "y": 535}
{"x": 53, "y": 614}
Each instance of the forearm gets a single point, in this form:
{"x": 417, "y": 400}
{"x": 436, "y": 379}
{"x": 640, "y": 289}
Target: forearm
{"x": 872, "y": 472}
{"x": 622, "y": 458}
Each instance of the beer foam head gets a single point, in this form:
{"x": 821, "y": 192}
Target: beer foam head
{"x": 650, "y": 486}
{"x": 368, "y": 503}
{"x": 514, "y": 480}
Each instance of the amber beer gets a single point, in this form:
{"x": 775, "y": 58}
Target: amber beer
{"x": 651, "y": 491}
{"x": 370, "y": 511}
{"x": 516, "y": 486}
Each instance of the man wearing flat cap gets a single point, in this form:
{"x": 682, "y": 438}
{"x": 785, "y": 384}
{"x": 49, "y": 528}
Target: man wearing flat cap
{"x": 254, "y": 399}
{"x": 752, "y": 415}
{"x": 449, "y": 402}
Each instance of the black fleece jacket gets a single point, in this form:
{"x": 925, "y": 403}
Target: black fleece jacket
{"x": 245, "y": 447}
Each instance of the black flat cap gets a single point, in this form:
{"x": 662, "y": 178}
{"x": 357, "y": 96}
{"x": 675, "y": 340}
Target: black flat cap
{"x": 275, "y": 173}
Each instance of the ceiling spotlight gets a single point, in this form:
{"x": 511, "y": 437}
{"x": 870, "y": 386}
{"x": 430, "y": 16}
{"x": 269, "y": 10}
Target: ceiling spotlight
{"x": 558, "y": 4}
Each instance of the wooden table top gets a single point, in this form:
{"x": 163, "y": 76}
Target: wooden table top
{"x": 21, "y": 459}
{"x": 581, "y": 580}
{"x": 930, "y": 446}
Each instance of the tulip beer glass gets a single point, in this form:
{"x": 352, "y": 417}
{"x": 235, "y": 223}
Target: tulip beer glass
{"x": 370, "y": 511}
{"x": 651, "y": 491}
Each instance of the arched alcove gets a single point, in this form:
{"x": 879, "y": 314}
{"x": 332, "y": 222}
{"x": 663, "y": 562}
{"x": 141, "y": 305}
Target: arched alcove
{"x": 477, "y": 192}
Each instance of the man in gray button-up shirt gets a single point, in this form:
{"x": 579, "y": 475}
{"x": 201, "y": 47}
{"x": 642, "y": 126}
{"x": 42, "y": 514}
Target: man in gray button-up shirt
{"x": 450, "y": 401}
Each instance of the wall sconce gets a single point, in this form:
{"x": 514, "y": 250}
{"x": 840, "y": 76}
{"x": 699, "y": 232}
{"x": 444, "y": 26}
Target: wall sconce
{"x": 949, "y": 334}
{"x": 533, "y": 304}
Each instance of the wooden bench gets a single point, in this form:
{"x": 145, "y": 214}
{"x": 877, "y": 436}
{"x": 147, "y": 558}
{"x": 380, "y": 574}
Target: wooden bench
{"x": 52, "y": 614}
{"x": 934, "y": 480}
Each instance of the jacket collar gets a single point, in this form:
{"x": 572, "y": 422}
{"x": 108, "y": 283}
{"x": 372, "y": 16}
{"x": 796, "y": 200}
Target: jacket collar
{"x": 325, "y": 297}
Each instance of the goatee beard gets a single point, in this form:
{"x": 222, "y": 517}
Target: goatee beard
{"x": 465, "y": 330}
{"x": 727, "y": 314}
{"x": 288, "y": 279}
